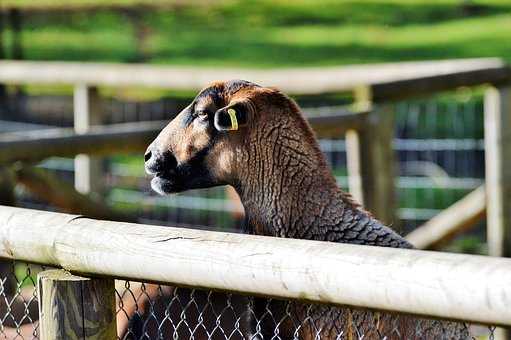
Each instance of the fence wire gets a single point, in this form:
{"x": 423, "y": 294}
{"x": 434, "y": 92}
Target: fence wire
{"x": 19, "y": 313}
{"x": 149, "y": 311}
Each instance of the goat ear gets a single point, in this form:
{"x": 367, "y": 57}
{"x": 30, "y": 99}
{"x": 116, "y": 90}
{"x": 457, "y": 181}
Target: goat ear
{"x": 231, "y": 117}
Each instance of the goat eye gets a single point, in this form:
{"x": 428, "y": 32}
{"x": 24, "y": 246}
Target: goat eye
{"x": 202, "y": 114}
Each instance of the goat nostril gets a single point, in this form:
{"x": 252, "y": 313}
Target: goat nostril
{"x": 147, "y": 156}
{"x": 171, "y": 161}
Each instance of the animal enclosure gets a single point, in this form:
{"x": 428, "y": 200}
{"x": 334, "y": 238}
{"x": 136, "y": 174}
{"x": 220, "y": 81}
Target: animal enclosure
{"x": 359, "y": 140}
{"x": 282, "y": 268}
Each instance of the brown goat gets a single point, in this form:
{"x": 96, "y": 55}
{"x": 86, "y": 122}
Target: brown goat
{"x": 256, "y": 140}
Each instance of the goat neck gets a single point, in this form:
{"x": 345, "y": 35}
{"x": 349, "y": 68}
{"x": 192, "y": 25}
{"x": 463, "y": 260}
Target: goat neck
{"x": 287, "y": 189}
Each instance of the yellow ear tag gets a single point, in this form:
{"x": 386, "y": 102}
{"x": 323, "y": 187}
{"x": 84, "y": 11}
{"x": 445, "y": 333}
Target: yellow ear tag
{"x": 234, "y": 120}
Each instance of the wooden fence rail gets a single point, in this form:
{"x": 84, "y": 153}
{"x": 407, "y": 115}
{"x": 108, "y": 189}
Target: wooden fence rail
{"x": 450, "y": 222}
{"x": 369, "y": 142}
{"x": 63, "y": 142}
{"x": 454, "y": 286}
{"x": 386, "y": 81}
{"x": 126, "y": 137}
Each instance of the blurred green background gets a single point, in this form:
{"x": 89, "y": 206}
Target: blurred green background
{"x": 262, "y": 33}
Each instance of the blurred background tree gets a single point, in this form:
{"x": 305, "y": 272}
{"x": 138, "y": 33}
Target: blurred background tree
{"x": 261, "y": 33}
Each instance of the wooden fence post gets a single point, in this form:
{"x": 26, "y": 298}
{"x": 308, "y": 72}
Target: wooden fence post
{"x": 497, "y": 142}
{"x": 3, "y": 89}
{"x": 370, "y": 159}
{"x": 7, "y": 183}
{"x": 7, "y": 197}
{"x": 16, "y": 22}
{"x": 87, "y": 112}
{"x": 497, "y": 137}
{"x": 74, "y": 307}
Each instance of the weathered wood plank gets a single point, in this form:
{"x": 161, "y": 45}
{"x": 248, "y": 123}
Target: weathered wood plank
{"x": 370, "y": 159}
{"x": 497, "y": 123}
{"x": 333, "y": 126}
{"x": 450, "y": 222}
{"x": 101, "y": 140}
{"x": 497, "y": 141}
{"x": 426, "y": 283}
{"x": 8, "y": 198}
{"x": 7, "y": 183}
{"x": 353, "y": 164}
{"x": 406, "y": 88}
{"x": 51, "y": 189}
{"x": 388, "y": 80}
{"x": 87, "y": 112}
{"x": 73, "y": 307}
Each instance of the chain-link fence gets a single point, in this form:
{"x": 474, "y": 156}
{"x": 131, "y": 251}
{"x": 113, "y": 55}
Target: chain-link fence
{"x": 150, "y": 311}
{"x": 19, "y": 313}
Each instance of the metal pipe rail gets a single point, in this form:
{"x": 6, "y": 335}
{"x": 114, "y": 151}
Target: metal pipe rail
{"x": 453, "y": 286}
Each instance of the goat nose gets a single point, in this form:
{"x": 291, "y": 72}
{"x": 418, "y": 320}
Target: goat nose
{"x": 157, "y": 161}
{"x": 152, "y": 161}
{"x": 148, "y": 155}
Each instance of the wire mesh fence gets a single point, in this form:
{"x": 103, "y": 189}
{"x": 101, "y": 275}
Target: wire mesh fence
{"x": 440, "y": 150}
{"x": 19, "y": 313}
{"x": 151, "y": 311}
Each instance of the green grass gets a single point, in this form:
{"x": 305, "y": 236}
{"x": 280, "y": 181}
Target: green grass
{"x": 268, "y": 33}
{"x": 30, "y": 4}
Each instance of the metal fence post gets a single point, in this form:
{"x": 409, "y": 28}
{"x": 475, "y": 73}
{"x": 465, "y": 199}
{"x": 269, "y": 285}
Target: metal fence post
{"x": 87, "y": 112}
{"x": 370, "y": 159}
{"x": 74, "y": 307}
